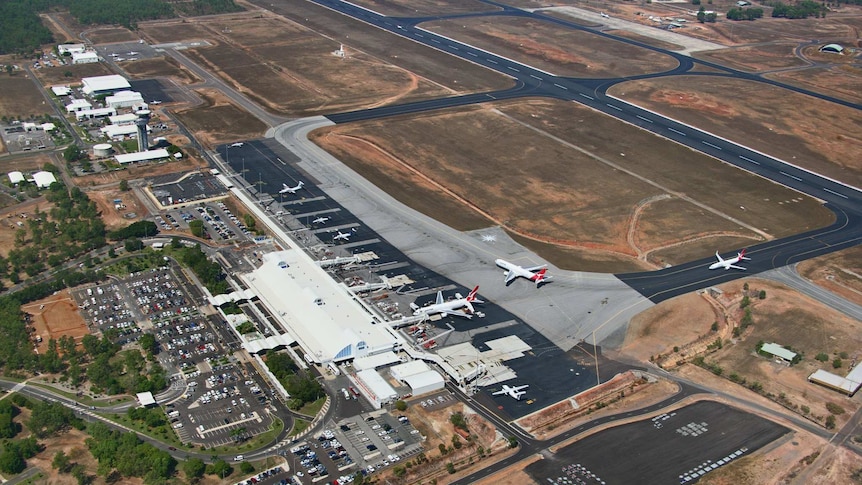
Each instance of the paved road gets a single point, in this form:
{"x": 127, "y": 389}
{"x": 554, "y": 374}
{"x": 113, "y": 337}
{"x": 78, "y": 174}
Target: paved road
{"x": 790, "y": 277}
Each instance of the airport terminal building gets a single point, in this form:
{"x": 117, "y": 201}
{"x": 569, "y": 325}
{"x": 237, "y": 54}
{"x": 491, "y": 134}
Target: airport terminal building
{"x": 329, "y": 322}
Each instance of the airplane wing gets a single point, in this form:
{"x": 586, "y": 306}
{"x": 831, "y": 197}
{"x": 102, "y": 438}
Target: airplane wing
{"x": 536, "y": 268}
{"x": 510, "y": 275}
{"x": 500, "y": 392}
{"x": 719, "y": 257}
{"x": 456, "y": 313}
{"x": 734, "y": 267}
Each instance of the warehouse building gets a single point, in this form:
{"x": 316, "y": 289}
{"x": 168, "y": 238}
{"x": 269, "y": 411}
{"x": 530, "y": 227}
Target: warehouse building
{"x": 125, "y": 99}
{"x": 417, "y": 374}
{"x": 84, "y": 57}
{"x": 95, "y": 86}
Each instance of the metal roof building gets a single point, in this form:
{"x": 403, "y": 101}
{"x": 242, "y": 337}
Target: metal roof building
{"x": 778, "y": 351}
{"x": 84, "y": 57}
{"x": 324, "y": 317}
{"x": 417, "y": 374}
{"x": 374, "y": 387}
{"x": 44, "y": 179}
{"x": 848, "y": 385}
{"x": 16, "y": 177}
{"x": 125, "y": 158}
{"x": 105, "y": 84}
{"x": 124, "y": 99}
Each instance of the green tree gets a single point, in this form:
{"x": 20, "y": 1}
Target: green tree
{"x": 246, "y": 468}
{"x": 834, "y": 408}
{"x": 194, "y": 468}
{"x": 148, "y": 343}
{"x": 836, "y": 363}
{"x": 73, "y": 153}
{"x": 830, "y": 424}
{"x": 401, "y": 405}
{"x": 450, "y": 467}
{"x": 133, "y": 244}
{"x": 822, "y": 357}
{"x": 124, "y": 185}
{"x": 220, "y": 468}
{"x": 61, "y": 462}
{"x": 11, "y": 461}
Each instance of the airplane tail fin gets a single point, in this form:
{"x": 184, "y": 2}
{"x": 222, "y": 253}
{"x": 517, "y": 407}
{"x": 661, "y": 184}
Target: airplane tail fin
{"x": 742, "y": 255}
{"x": 539, "y": 277}
{"x": 472, "y": 295}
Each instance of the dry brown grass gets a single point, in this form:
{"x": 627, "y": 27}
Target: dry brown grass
{"x": 160, "y": 67}
{"x": 804, "y": 131}
{"x": 53, "y": 76}
{"x": 414, "y": 8}
{"x": 110, "y": 35}
{"x": 220, "y": 121}
{"x": 604, "y": 189}
{"x": 555, "y": 49}
{"x": 21, "y": 97}
{"x": 840, "y": 273}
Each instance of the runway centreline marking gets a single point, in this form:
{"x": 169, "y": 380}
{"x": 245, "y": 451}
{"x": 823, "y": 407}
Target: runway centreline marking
{"x": 791, "y": 176}
{"x": 614, "y": 107}
{"x": 711, "y": 145}
{"x": 748, "y": 159}
{"x": 588, "y": 97}
{"x": 677, "y": 131}
{"x": 561, "y": 87}
{"x": 645, "y": 119}
{"x": 835, "y": 193}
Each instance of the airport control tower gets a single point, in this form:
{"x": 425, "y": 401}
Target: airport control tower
{"x": 141, "y": 123}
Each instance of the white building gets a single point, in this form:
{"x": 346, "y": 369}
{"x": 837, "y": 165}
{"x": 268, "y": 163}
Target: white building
{"x": 373, "y": 387}
{"x": 94, "y": 113}
{"x": 78, "y": 105}
{"x": 104, "y": 84}
{"x": 119, "y": 132}
{"x": 84, "y": 57}
{"x": 124, "y": 99}
{"x": 123, "y": 119}
{"x": 127, "y": 158}
{"x": 778, "y": 351}
{"x": 70, "y": 48}
{"x": 61, "y": 90}
{"x": 16, "y": 177}
{"x": 417, "y": 374}
{"x": 43, "y": 179}
{"x": 328, "y": 321}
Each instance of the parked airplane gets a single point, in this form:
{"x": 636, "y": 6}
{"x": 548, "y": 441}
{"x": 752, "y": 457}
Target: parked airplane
{"x": 344, "y": 236}
{"x": 321, "y": 220}
{"x": 535, "y": 274}
{"x": 156, "y": 101}
{"x": 133, "y": 53}
{"x": 451, "y": 307}
{"x": 729, "y": 263}
{"x": 605, "y": 15}
{"x": 233, "y": 145}
{"x": 291, "y": 190}
{"x": 514, "y": 391}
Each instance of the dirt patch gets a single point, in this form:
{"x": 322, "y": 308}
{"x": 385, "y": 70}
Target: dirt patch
{"x": 111, "y": 35}
{"x": 552, "y": 48}
{"x": 799, "y": 129}
{"x": 54, "y": 317}
{"x": 513, "y": 475}
{"x": 437, "y": 429}
{"x": 54, "y": 76}
{"x": 21, "y": 97}
{"x": 116, "y": 217}
{"x": 160, "y": 67}
{"x": 839, "y": 272}
{"x": 675, "y": 322}
{"x": 587, "y": 182}
{"x": 219, "y": 120}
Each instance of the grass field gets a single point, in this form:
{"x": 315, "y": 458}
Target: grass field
{"x": 220, "y": 121}
{"x": 414, "y": 8}
{"x": 59, "y": 75}
{"x": 557, "y": 173}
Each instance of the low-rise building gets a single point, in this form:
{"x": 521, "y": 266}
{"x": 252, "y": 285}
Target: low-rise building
{"x": 88, "y": 57}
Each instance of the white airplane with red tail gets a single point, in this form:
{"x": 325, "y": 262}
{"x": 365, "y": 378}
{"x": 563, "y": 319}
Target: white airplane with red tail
{"x": 729, "y": 263}
{"x": 460, "y": 306}
{"x": 536, "y": 274}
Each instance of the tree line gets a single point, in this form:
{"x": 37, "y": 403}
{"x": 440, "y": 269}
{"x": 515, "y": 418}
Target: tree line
{"x": 23, "y": 32}
{"x": 302, "y": 388}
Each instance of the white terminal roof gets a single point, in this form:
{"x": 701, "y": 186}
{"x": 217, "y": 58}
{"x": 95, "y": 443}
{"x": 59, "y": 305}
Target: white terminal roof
{"x": 325, "y": 318}
{"x": 105, "y": 83}
{"x": 375, "y": 361}
{"x": 61, "y": 90}
{"x": 16, "y": 177}
{"x": 240, "y": 295}
{"x": 407, "y": 369}
{"x": 44, "y": 179}
{"x": 142, "y": 156}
